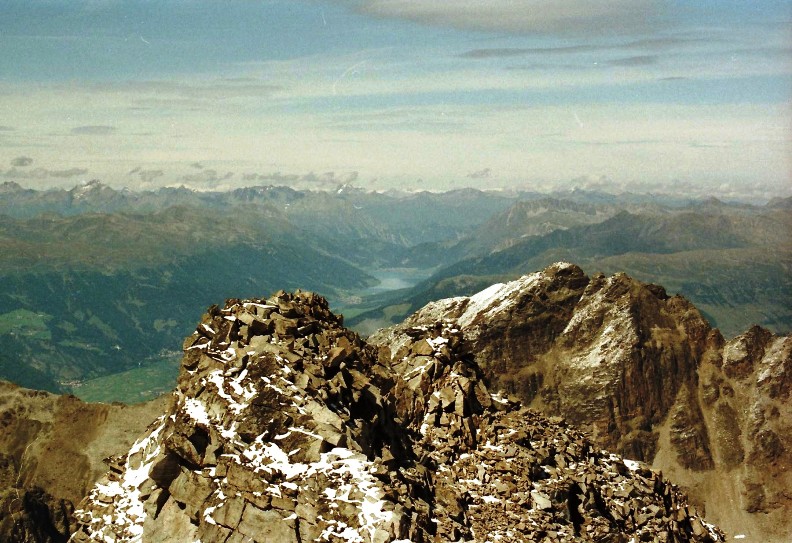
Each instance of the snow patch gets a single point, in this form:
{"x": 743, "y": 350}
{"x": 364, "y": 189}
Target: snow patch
{"x": 632, "y": 465}
{"x": 126, "y": 523}
{"x": 495, "y": 299}
{"x": 350, "y": 480}
{"x": 196, "y": 410}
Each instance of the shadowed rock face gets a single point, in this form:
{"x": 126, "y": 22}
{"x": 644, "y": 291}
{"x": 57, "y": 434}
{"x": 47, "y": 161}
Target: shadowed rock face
{"x": 51, "y": 452}
{"x": 645, "y": 375}
{"x": 286, "y": 427}
{"x": 603, "y": 352}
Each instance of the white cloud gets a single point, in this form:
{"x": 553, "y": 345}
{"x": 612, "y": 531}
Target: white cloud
{"x": 542, "y": 16}
{"x": 391, "y": 121}
{"x": 208, "y": 178}
{"x": 43, "y": 173}
{"x": 486, "y": 173}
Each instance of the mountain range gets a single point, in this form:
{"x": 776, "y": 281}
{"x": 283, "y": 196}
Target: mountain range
{"x": 98, "y": 284}
{"x": 461, "y": 423}
{"x": 733, "y": 261}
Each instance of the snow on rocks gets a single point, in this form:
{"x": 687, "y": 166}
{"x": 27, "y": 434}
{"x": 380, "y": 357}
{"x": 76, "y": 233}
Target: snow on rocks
{"x": 264, "y": 418}
{"x": 119, "y": 514}
{"x": 285, "y": 427}
{"x": 495, "y": 299}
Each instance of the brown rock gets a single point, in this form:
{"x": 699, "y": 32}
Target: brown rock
{"x": 267, "y": 526}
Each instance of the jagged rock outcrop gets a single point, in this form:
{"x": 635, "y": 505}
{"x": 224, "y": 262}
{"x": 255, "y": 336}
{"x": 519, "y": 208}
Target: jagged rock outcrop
{"x": 644, "y": 375}
{"x": 745, "y": 397}
{"x": 286, "y": 427}
{"x": 51, "y": 453}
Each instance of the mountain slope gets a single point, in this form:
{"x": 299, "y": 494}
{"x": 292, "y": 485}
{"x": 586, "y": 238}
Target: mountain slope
{"x": 524, "y": 219}
{"x": 93, "y": 294}
{"x": 95, "y": 280}
{"x": 702, "y": 254}
{"x": 645, "y": 375}
{"x": 401, "y": 218}
{"x": 51, "y": 452}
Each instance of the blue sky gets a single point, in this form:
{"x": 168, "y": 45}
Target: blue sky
{"x": 542, "y": 94}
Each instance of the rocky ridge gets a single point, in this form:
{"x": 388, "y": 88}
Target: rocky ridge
{"x": 287, "y": 427}
{"x": 645, "y": 375}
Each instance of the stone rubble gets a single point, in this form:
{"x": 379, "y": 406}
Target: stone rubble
{"x": 285, "y": 427}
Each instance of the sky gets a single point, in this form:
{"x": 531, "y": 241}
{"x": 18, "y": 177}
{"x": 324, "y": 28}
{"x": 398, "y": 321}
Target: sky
{"x": 670, "y": 96}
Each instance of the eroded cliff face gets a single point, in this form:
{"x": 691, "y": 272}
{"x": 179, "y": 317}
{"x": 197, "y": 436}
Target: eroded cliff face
{"x": 745, "y": 397}
{"x": 51, "y": 453}
{"x": 644, "y": 375}
{"x": 286, "y": 427}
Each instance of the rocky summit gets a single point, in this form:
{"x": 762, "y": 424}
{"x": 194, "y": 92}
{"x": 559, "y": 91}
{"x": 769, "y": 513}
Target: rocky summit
{"x": 286, "y": 427}
{"x": 644, "y": 375}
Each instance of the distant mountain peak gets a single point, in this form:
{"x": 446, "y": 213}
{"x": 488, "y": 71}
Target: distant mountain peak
{"x": 91, "y": 189}
{"x": 10, "y": 187}
{"x": 712, "y": 204}
{"x": 93, "y": 184}
{"x": 348, "y": 188}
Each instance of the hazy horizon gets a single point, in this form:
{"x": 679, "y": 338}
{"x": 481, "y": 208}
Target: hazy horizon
{"x": 647, "y": 96}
